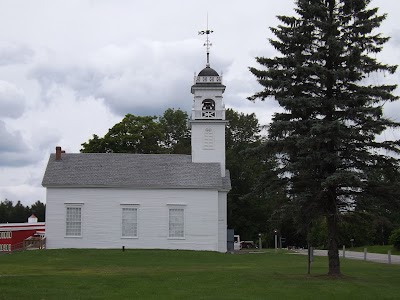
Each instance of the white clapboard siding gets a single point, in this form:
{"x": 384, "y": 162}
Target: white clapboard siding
{"x": 222, "y": 222}
{"x": 205, "y": 228}
{"x": 216, "y": 151}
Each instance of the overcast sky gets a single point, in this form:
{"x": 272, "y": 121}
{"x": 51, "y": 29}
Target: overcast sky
{"x": 70, "y": 69}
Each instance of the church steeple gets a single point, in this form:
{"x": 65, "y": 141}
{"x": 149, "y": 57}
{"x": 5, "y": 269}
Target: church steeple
{"x": 208, "y": 89}
{"x": 208, "y": 115}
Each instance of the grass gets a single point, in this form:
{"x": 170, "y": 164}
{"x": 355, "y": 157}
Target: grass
{"x": 161, "y": 274}
{"x": 377, "y": 249}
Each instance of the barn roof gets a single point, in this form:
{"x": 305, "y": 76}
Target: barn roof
{"x": 132, "y": 170}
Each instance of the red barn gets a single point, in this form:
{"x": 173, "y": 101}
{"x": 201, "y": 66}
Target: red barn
{"x": 12, "y": 235}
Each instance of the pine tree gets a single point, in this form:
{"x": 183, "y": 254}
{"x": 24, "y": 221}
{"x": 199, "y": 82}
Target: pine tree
{"x": 325, "y": 140}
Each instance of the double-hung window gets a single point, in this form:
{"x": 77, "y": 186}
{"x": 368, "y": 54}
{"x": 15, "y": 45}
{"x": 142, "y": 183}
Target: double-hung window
{"x": 129, "y": 221}
{"x": 73, "y": 220}
{"x": 176, "y": 222}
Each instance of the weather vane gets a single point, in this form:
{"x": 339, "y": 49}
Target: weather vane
{"x": 207, "y": 43}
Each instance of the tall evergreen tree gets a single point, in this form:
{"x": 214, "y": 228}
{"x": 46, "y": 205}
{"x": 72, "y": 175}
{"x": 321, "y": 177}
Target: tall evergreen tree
{"x": 325, "y": 140}
{"x": 6, "y": 209}
{"x": 39, "y": 210}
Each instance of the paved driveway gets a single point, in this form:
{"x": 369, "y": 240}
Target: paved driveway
{"x": 375, "y": 257}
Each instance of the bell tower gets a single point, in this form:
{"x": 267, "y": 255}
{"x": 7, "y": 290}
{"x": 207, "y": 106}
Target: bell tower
{"x": 208, "y": 115}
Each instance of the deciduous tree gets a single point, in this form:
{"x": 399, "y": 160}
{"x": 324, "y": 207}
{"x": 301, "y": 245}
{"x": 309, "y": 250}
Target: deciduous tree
{"x": 246, "y": 214}
{"x": 134, "y": 134}
{"x": 175, "y": 132}
{"x": 144, "y": 134}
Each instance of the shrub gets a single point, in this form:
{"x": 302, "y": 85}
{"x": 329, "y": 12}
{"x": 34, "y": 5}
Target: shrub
{"x": 395, "y": 239}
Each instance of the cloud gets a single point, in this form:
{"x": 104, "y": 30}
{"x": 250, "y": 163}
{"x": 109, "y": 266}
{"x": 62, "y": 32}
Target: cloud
{"x": 26, "y": 193}
{"x": 10, "y": 142}
{"x": 13, "y": 149}
{"x": 143, "y": 78}
{"x": 12, "y": 53}
{"x": 12, "y": 100}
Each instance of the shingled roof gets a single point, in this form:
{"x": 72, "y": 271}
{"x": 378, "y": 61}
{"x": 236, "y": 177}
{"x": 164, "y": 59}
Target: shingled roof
{"x": 132, "y": 170}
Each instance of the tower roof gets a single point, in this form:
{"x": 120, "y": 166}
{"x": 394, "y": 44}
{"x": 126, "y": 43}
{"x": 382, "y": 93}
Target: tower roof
{"x": 207, "y": 71}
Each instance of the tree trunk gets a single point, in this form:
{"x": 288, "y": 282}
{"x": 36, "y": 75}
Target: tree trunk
{"x": 333, "y": 252}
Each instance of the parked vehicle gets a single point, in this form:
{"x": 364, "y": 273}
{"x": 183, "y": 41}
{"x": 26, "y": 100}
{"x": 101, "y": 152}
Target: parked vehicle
{"x": 237, "y": 245}
{"x": 248, "y": 245}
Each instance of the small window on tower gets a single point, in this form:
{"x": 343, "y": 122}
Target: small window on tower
{"x": 208, "y": 141}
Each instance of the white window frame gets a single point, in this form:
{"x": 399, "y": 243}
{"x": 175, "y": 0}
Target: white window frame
{"x": 130, "y": 206}
{"x": 73, "y": 205}
{"x": 5, "y": 247}
{"x": 175, "y": 207}
{"x": 5, "y": 235}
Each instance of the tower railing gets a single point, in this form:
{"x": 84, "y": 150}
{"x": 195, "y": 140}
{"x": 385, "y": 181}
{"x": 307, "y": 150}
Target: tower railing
{"x": 208, "y": 114}
{"x": 207, "y": 79}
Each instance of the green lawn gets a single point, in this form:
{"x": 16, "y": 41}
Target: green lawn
{"x": 159, "y": 274}
{"x": 377, "y": 249}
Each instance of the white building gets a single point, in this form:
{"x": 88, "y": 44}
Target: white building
{"x": 147, "y": 201}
